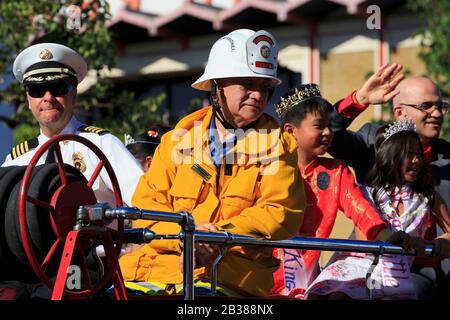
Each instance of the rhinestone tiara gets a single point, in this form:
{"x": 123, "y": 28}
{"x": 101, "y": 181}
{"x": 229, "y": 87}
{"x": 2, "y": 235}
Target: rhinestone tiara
{"x": 402, "y": 125}
{"x": 128, "y": 139}
{"x": 307, "y": 91}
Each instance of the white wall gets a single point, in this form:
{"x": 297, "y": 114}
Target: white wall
{"x": 160, "y": 7}
{"x": 114, "y": 6}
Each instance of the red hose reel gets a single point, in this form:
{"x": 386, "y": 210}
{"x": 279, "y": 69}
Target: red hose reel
{"x": 75, "y": 240}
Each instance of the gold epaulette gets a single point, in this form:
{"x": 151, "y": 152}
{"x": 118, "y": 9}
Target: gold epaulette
{"x": 23, "y": 148}
{"x": 92, "y": 129}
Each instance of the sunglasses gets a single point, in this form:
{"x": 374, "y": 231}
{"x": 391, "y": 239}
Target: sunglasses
{"x": 57, "y": 89}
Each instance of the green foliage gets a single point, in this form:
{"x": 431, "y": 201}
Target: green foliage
{"x": 25, "y": 131}
{"x": 132, "y": 116}
{"x": 194, "y": 105}
{"x": 24, "y": 22}
{"x": 435, "y": 46}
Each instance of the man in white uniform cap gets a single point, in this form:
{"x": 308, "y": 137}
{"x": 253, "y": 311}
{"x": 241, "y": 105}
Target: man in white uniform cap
{"x": 50, "y": 74}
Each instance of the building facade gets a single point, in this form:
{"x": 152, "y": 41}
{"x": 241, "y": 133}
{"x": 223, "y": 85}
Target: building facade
{"x": 164, "y": 44}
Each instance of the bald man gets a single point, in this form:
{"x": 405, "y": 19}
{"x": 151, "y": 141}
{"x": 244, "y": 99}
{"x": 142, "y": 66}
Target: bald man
{"x": 420, "y": 99}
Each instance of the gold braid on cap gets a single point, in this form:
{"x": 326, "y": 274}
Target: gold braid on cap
{"x": 309, "y": 91}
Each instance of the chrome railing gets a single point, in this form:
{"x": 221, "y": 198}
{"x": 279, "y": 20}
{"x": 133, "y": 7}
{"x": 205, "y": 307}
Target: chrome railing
{"x": 188, "y": 236}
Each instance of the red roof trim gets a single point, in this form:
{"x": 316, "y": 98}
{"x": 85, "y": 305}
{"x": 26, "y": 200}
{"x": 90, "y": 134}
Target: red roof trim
{"x": 192, "y": 9}
{"x": 221, "y": 19}
{"x": 133, "y": 18}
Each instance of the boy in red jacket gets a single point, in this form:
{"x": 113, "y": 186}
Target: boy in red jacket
{"x": 329, "y": 187}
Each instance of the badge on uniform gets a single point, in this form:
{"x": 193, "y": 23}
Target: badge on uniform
{"x": 78, "y": 161}
{"x": 323, "y": 180}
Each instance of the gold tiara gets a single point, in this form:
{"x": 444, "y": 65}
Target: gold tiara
{"x": 308, "y": 91}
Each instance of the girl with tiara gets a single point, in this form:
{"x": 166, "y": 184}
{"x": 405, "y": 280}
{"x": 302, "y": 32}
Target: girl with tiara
{"x": 400, "y": 188}
{"x": 143, "y": 146}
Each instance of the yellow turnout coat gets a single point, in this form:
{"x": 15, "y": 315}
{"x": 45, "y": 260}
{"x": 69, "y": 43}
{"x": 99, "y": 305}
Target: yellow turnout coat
{"x": 261, "y": 196}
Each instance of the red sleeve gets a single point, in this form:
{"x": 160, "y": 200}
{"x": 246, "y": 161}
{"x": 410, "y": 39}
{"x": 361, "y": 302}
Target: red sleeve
{"x": 356, "y": 207}
{"x": 350, "y": 107}
{"x": 427, "y": 155}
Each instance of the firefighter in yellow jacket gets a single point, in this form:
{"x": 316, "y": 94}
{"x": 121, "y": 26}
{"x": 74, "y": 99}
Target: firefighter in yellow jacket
{"x": 229, "y": 165}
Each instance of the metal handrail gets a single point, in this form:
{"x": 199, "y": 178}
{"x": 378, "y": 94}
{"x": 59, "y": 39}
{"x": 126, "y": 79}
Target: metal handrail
{"x": 226, "y": 239}
{"x": 185, "y": 218}
{"x": 189, "y": 236}
{"x": 344, "y": 245}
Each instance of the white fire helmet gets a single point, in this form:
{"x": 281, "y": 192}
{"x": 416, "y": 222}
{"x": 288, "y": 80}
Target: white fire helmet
{"x": 241, "y": 53}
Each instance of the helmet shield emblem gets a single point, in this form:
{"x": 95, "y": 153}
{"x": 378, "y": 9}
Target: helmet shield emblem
{"x": 262, "y": 52}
